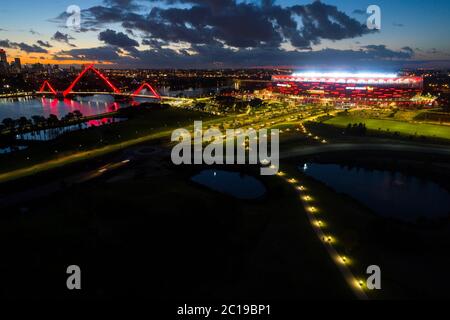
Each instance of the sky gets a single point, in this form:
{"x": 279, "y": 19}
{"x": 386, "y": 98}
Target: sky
{"x": 229, "y": 33}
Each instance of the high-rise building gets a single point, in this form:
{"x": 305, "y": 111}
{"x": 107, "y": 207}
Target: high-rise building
{"x": 16, "y": 66}
{"x": 3, "y": 62}
{"x": 3, "y": 56}
{"x": 18, "y": 63}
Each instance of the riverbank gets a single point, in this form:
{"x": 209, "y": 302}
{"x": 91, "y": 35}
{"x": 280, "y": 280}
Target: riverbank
{"x": 17, "y": 95}
{"x": 144, "y": 125}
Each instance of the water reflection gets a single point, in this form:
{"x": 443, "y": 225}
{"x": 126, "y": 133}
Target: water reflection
{"x": 53, "y": 133}
{"x": 88, "y": 105}
{"x": 28, "y": 107}
{"x": 238, "y": 185}
{"x": 387, "y": 193}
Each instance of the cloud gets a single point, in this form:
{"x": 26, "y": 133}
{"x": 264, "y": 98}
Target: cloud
{"x": 360, "y": 12}
{"x": 382, "y": 52}
{"x": 31, "y": 48}
{"x": 44, "y": 44}
{"x": 124, "y": 4}
{"x": 408, "y": 49}
{"x": 228, "y": 33}
{"x": 63, "y": 37}
{"x": 22, "y": 46}
{"x": 118, "y": 39}
{"x": 215, "y": 56}
{"x": 102, "y": 54}
{"x": 230, "y": 22}
{"x": 6, "y": 44}
{"x": 434, "y": 51}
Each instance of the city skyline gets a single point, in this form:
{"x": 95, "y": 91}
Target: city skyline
{"x": 228, "y": 34}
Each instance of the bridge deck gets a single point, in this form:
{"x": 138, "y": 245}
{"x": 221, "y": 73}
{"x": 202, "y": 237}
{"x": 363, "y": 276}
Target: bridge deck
{"x": 117, "y": 94}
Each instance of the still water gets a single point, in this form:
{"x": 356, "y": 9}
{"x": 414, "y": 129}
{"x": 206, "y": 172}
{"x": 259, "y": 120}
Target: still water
{"x": 238, "y": 185}
{"x": 390, "y": 194}
{"x": 88, "y": 105}
{"x": 28, "y": 107}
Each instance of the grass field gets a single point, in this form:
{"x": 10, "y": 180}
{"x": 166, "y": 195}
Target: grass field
{"x": 420, "y": 129}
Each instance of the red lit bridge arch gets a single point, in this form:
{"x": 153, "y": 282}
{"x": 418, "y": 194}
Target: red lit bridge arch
{"x": 99, "y": 74}
{"x": 115, "y": 91}
{"x": 46, "y": 84}
{"x": 145, "y": 85}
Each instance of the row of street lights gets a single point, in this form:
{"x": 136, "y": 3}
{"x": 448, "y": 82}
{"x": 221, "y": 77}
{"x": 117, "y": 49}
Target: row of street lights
{"x": 320, "y": 226}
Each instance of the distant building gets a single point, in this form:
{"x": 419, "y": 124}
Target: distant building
{"x": 4, "y": 66}
{"x": 16, "y": 66}
{"x": 350, "y": 88}
{"x": 3, "y": 56}
{"x": 37, "y": 67}
{"x": 18, "y": 63}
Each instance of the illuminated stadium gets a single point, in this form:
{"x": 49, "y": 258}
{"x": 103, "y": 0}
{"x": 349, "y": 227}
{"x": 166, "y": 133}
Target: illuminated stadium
{"x": 364, "y": 88}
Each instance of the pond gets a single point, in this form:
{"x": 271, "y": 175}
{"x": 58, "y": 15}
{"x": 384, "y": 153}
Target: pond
{"x": 390, "y": 194}
{"x": 238, "y": 185}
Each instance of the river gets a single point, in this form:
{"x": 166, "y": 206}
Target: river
{"x": 88, "y": 105}
{"x": 29, "y": 106}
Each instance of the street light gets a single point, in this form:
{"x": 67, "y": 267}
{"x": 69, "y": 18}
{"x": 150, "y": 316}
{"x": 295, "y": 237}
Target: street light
{"x": 312, "y": 209}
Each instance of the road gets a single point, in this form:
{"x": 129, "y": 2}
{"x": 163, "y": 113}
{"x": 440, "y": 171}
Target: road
{"x": 57, "y": 185}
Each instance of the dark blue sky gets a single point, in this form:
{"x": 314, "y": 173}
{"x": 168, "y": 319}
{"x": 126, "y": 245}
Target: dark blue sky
{"x": 229, "y": 33}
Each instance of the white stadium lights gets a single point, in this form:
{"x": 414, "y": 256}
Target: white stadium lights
{"x": 344, "y": 75}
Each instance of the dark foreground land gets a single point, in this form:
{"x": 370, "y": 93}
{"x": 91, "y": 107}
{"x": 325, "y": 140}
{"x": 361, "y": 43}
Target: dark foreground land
{"x": 143, "y": 229}
{"x": 147, "y": 231}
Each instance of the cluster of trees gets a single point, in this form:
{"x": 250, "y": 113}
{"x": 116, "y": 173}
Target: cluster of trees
{"x": 23, "y": 124}
{"x": 358, "y": 129}
{"x": 229, "y": 103}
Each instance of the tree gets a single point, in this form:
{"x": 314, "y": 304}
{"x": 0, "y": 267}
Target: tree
{"x": 68, "y": 117}
{"x": 52, "y": 120}
{"x": 23, "y": 123}
{"x": 38, "y": 120}
{"x": 256, "y": 103}
{"x": 348, "y": 130}
{"x": 8, "y": 123}
{"x": 77, "y": 114}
